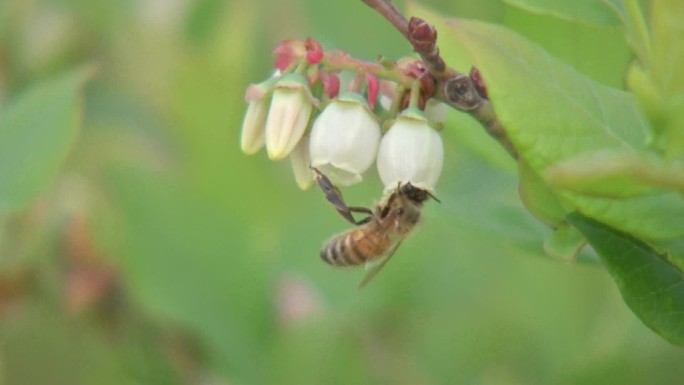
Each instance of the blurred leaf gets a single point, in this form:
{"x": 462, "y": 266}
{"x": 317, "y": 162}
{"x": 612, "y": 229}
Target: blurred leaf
{"x": 619, "y": 174}
{"x": 598, "y": 51}
{"x": 563, "y": 114}
{"x": 37, "y": 130}
{"x": 651, "y": 287}
{"x": 538, "y": 197}
{"x": 185, "y": 259}
{"x": 203, "y": 19}
{"x": 482, "y": 199}
{"x": 593, "y": 11}
{"x": 634, "y": 24}
{"x": 565, "y": 243}
{"x": 37, "y": 336}
{"x": 667, "y": 71}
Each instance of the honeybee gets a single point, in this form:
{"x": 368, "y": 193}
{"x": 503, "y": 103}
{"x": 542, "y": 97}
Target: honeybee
{"x": 377, "y": 236}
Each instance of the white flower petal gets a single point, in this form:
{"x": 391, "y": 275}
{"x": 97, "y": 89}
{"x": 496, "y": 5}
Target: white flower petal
{"x": 288, "y": 116}
{"x": 301, "y": 162}
{"x": 253, "y": 125}
{"x": 411, "y": 151}
{"x": 344, "y": 140}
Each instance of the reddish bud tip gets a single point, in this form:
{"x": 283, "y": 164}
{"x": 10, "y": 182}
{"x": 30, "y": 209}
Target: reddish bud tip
{"x": 421, "y": 30}
{"x": 478, "y": 82}
{"x": 422, "y": 35}
{"x": 287, "y": 52}
{"x": 331, "y": 84}
{"x": 373, "y": 88}
{"x": 314, "y": 51}
{"x": 427, "y": 86}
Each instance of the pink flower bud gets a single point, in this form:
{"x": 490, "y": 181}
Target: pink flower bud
{"x": 331, "y": 84}
{"x": 373, "y": 88}
{"x": 314, "y": 51}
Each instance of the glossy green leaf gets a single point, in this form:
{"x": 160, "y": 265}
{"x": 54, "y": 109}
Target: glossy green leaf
{"x": 37, "y": 130}
{"x": 593, "y": 11}
{"x": 652, "y": 287}
{"x": 617, "y": 174}
{"x": 552, "y": 113}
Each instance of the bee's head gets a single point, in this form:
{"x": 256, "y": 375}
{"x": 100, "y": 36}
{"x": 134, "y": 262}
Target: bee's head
{"x": 413, "y": 193}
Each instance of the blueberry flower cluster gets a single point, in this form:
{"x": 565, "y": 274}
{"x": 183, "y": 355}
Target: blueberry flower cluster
{"x": 300, "y": 113}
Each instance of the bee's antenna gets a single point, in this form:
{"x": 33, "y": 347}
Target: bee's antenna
{"x": 433, "y": 197}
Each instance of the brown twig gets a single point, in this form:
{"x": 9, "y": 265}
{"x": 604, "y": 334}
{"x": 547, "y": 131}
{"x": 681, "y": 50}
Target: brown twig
{"x": 460, "y": 91}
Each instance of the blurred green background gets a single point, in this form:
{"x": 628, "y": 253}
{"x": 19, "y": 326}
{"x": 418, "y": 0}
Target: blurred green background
{"x": 160, "y": 254}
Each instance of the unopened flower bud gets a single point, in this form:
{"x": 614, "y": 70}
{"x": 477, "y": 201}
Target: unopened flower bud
{"x": 301, "y": 164}
{"x": 411, "y": 151}
{"x": 252, "y": 138}
{"x": 288, "y": 115}
{"x": 344, "y": 139}
{"x": 254, "y": 122}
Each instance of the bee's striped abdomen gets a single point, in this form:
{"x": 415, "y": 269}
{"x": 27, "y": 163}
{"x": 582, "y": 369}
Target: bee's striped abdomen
{"x": 354, "y": 248}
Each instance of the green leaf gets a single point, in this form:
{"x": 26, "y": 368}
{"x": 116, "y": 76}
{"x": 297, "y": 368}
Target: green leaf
{"x": 635, "y": 28}
{"x": 666, "y": 67}
{"x": 653, "y": 217}
{"x": 673, "y": 249}
{"x": 565, "y": 243}
{"x": 617, "y": 174}
{"x": 593, "y": 11}
{"x": 598, "y": 51}
{"x": 651, "y": 287}
{"x": 37, "y": 130}
{"x": 539, "y": 198}
{"x": 552, "y": 113}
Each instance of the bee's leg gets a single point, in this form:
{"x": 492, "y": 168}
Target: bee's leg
{"x": 334, "y": 196}
{"x": 363, "y": 210}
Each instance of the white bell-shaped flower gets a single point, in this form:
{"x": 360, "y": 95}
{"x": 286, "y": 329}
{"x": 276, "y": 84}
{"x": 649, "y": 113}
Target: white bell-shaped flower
{"x": 411, "y": 151}
{"x": 301, "y": 164}
{"x": 345, "y": 139}
{"x": 288, "y": 115}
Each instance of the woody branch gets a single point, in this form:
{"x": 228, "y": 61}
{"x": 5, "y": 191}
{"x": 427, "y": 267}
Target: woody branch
{"x": 464, "y": 92}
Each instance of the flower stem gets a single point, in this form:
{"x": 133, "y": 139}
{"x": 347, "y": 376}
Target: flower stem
{"x": 302, "y": 67}
{"x": 338, "y": 61}
{"x": 396, "y": 102}
{"x": 415, "y": 94}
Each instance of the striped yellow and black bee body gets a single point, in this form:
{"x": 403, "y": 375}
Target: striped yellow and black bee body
{"x": 379, "y": 234}
{"x": 386, "y": 227}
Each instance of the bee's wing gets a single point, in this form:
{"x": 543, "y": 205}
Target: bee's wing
{"x": 376, "y": 269}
